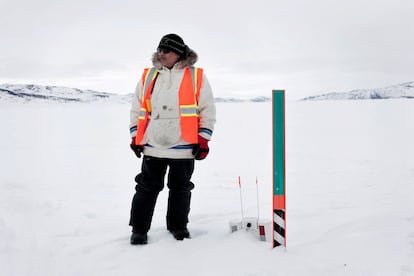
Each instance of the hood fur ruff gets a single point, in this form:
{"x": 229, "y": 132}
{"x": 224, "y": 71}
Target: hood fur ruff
{"x": 190, "y": 59}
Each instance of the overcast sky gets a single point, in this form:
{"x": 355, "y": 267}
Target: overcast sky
{"x": 247, "y": 48}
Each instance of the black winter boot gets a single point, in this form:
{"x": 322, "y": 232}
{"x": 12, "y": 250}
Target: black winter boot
{"x": 139, "y": 238}
{"x": 180, "y": 235}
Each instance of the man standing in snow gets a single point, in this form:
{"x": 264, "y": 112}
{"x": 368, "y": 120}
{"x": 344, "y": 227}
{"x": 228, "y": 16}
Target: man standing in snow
{"x": 172, "y": 119}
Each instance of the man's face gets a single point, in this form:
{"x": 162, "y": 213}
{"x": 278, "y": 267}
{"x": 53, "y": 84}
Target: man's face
{"x": 167, "y": 57}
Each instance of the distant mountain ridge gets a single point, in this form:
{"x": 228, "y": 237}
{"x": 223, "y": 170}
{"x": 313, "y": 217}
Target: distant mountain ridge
{"x": 403, "y": 90}
{"x": 26, "y": 93}
{"x": 44, "y": 93}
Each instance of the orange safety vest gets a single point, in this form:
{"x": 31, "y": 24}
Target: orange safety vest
{"x": 188, "y": 103}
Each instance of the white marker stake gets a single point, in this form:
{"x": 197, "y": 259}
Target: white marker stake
{"x": 257, "y": 193}
{"x": 241, "y": 199}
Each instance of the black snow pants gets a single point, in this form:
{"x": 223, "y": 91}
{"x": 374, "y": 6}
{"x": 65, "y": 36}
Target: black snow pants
{"x": 151, "y": 181}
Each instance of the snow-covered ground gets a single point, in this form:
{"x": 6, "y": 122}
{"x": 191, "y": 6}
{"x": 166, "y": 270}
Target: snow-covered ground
{"x": 67, "y": 179}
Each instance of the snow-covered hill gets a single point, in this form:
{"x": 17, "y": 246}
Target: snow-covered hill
{"x": 403, "y": 90}
{"x": 40, "y": 93}
{"x": 24, "y": 93}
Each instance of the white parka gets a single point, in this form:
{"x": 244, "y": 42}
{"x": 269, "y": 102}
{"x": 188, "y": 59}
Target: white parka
{"x": 162, "y": 137}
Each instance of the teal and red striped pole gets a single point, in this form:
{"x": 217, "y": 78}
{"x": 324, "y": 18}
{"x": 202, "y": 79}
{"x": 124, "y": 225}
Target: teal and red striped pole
{"x": 279, "y": 168}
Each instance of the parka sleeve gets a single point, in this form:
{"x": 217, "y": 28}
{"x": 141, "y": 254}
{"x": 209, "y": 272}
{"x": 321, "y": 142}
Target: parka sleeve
{"x": 207, "y": 109}
{"x": 135, "y": 109}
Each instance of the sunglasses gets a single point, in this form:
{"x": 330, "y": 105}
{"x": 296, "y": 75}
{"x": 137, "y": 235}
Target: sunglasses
{"x": 164, "y": 50}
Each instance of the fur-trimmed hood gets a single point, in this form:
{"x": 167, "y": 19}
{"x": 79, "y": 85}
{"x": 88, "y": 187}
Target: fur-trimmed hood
{"x": 189, "y": 59}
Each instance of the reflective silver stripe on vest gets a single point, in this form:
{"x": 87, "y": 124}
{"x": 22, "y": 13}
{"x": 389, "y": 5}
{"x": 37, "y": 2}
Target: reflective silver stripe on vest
{"x": 193, "y": 78}
{"x": 142, "y": 113}
{"x": 191, "y": 110}
{"x": 150, "y": 76}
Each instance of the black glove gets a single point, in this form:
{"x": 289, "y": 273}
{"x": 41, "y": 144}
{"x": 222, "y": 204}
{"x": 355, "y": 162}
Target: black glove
{"x": 137, "y": 149}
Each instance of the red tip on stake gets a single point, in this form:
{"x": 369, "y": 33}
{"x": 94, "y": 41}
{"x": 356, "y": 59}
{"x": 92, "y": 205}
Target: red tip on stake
{"x": 261, "y": 230}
